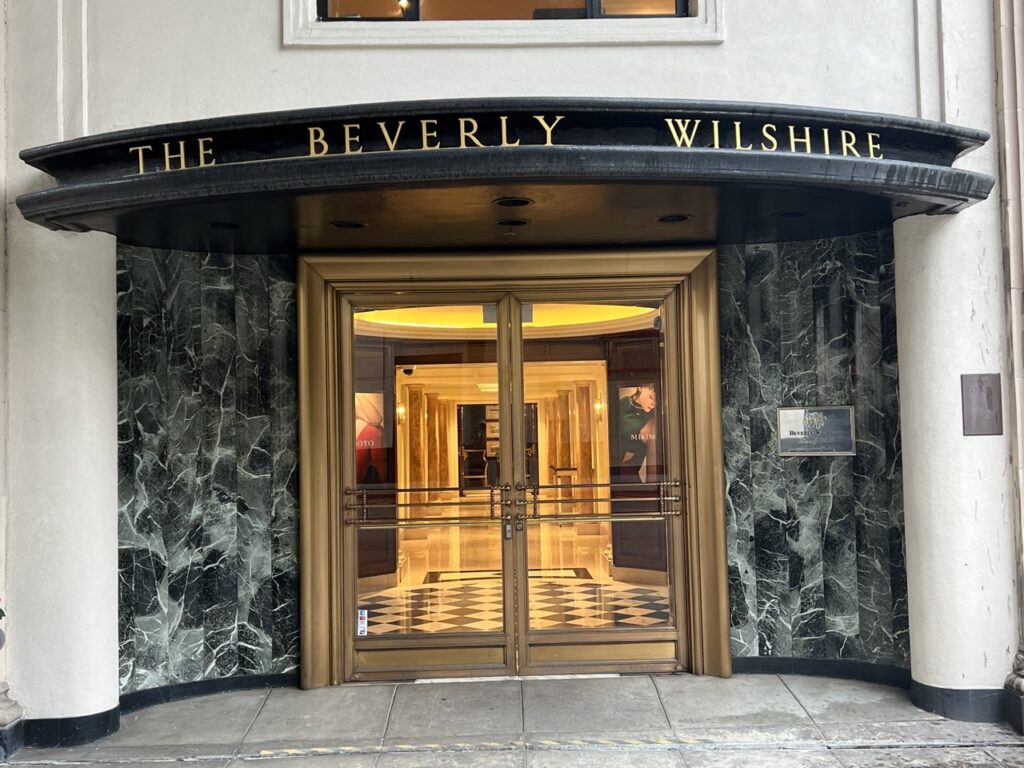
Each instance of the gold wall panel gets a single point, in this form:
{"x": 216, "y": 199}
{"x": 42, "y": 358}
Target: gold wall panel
{"x": 621, "y": 651}
{"x": 429, "y": 658}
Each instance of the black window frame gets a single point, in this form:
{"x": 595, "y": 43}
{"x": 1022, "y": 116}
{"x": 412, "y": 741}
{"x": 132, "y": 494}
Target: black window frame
{"x": 593, "y": 11}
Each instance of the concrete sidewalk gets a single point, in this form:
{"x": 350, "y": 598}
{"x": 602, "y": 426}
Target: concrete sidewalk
{"x": 654, "y": 721}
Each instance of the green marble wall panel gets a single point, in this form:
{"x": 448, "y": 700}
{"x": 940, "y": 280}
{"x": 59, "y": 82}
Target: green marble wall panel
{"x": 816, "y": 564}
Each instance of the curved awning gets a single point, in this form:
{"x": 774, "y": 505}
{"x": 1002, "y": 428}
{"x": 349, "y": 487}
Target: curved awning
{"x": 449, "y": 174}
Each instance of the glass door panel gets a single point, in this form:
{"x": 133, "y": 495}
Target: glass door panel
{"x": 427, "y": 502}
{"x": 510, "y": 504}
{"x": 597, "y": 511}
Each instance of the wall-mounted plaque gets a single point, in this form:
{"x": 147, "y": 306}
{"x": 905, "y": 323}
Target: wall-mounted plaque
{"x": 819, "y": 430}
{"x": 982, "y": 403}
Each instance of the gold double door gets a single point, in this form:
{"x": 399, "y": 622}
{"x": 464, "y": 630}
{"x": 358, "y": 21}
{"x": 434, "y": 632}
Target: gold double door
{"x": 515, "y": 466}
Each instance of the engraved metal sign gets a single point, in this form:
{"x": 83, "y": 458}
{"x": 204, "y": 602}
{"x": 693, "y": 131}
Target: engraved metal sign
{"x": 982, "y": 403}
{"x": 818, "y": 430}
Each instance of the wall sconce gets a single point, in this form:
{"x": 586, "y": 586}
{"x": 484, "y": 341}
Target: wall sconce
{"x": 400, "y": 413}
{"x": 404, "y": 6}
{"x": 598, "y": 409}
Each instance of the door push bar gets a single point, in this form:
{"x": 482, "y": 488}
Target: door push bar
{"x": 358, "y": 502}
{"x": 669, "y": 502}
{"x": 668, "y": 499}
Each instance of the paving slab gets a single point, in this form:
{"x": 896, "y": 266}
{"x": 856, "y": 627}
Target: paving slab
{"x": 919, "y": 734}
{"x": 753, "y": 737}
{"x": 950, "y": 757}
{"x": 55, "y": 754}
{"x": 322, "y": 761}
{"x": 204, "y": 726}
{"x": 1007, "y": 757}
{"x": 163, "y": 753}
{"x": 740, "y": 700}
{"x": 603, "y": 758}
{"x": 790, "y": 758}
{"x": 661, "y": 739}
{"x": 592, "y": 705}
{"x": 512, "y": 759}
{"x": 439, "y": 711}
{"x": 146, "y": 763}
{"x": 849, "y": 701}
{"x": 325, "y": 716}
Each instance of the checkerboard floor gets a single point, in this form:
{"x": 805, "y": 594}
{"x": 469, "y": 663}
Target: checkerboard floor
{"x": 476, "y": 606}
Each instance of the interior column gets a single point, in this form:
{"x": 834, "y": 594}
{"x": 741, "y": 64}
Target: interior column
{"x": 433, "y": 448}
{"x": 416, "y": 421}
{"x": 62, "y": 586}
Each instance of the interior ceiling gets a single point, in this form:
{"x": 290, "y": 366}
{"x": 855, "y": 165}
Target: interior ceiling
{"x": 473, "y": 321}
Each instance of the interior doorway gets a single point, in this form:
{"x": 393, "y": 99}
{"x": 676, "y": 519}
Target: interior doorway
{"x": 513, "y": 471}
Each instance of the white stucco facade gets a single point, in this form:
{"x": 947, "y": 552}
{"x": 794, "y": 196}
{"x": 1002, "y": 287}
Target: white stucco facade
{"x": 78, "y": 67}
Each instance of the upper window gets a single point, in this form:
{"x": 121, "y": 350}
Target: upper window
{"x": 493, "y": 10}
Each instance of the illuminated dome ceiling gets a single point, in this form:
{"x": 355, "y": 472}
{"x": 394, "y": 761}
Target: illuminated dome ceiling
{"x": 475, "y": 321}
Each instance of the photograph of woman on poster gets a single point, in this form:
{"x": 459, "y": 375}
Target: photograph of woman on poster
{"x": 370, "y": 454}
{"x": 638, "y": 433}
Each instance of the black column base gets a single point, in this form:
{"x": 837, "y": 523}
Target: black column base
{"x": 69, "y": 731}
{"x": 1013, "y": 709}
{"x": 975, "y": 705}
{"x": 12, "y": 738}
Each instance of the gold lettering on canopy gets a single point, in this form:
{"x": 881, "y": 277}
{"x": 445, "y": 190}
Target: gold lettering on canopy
{"x": 317, "y": 146}
{"x": 391, "y": 141}
{"x": 849, "y": 139}
{"x": 738, "y": 127}
{"x": 504, "y": 133}
{"x": 179, "y": 155}
{"x": 681, "y": 130}
{"x": 429, "y": 132}
{"x": 510, "y": 131}
{"x": 142, "y": 153}
{"x": 352, "y": 139}
{"x": 874, "y": 146}
{"x": 465, "y": 132}
{"x": 205, "y": 152}
{"x": 548, "y": 128}
{"x": 793, "y": 140}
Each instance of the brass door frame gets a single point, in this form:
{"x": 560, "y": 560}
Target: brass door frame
{"x": 692, "y": 376}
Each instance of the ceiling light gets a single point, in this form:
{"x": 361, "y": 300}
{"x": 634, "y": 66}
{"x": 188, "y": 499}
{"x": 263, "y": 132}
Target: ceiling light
{"x": 512, "y": 202}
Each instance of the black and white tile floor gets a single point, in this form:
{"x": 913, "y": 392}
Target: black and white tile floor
{"x": 475, "y": 605}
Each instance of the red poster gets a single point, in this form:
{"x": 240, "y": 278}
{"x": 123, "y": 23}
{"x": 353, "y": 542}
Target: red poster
{"x": 371, "y": 456}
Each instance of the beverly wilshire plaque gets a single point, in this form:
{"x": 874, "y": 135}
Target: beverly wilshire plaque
{"x": 819, "y": 430}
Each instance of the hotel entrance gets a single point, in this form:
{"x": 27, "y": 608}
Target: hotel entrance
{"x": 510, "y": 491}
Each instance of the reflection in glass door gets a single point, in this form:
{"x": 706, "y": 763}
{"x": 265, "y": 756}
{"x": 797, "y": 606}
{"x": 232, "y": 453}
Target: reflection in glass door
{"x": 511, "y": 499}
{"x": 594, "y": 517}
{"x": 426, "y": 503}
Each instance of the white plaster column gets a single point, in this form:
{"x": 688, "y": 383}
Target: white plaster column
{"x": 11, "y": 712}
{"x": 61, "y": 400}
{"x": 952, "y": 308}
{"x": 62, "y": 582}
{"x": 958, "y": 491}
